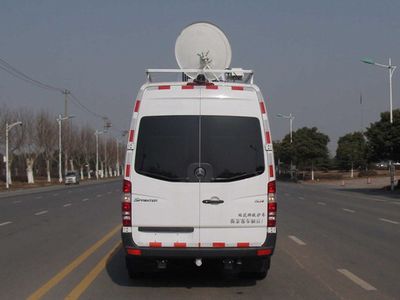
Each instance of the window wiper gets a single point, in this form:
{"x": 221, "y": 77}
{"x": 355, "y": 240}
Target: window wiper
{"x": 160, "y": 176}
{"x": 239, "y": 176}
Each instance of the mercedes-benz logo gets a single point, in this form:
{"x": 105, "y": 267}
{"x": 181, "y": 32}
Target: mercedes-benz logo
{"x": 200, "y": 172}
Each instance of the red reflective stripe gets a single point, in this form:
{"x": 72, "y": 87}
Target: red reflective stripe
{"x": 218, "y": 245}
{"x": 262, "y": 107}
{"x": 164, "y": 87}
{"x": 187, "y": 87}
{"x": 137, "y": 105}
{"x": 268, "y": 137}
{"x": 155, "y": 244}
{"x": 134, "y": 251}
{"x": 271, "y": 171}
{"x": 131, "y": 135}
{"x": 127, "y": 170}
{"x": 237, "y": 88}
{"x": 212, "y": 87}
{"x": 264, "y": 252}
{"x": 180, "y": 245}
{"x": 243, "y": 245}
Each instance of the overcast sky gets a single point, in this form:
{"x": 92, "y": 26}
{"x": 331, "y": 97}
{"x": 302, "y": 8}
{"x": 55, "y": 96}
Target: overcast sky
{"x": 306, "y": 54}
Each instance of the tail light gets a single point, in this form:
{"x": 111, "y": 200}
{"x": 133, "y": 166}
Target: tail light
{"x": 272, "y": 207}
{"x": 127, "y": 204}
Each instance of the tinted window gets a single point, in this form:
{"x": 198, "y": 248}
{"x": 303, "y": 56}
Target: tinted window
{"x": 232, "y": 146}
{"x": 167, "y": 146}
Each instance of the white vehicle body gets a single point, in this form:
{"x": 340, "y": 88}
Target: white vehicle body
{"x": 219, "y": 200}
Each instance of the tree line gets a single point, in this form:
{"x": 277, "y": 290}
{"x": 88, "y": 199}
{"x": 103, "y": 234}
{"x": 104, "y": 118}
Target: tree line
{"x": 308, "y": 150}
{"x": 33, "y": 147}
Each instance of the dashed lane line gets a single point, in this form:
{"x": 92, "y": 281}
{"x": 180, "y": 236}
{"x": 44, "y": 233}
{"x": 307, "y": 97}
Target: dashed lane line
{"x": 41, "y": 212}
{"x": 301, "y": 198}
{"x": 5, "y": 223}
{"x": 85, "y": 199}
{"x": 38, "y": 197}
{"x": 67, "y": 204}
{"x": 297, "y": 240}
{"x": 17, "y": 201}
{"x": 348, "y": 210}
{"x": 389, "y": 221}
{"x": 109, "y": 192}
{"x": 321, "y": 203}
{"x": 357, "y": 280}
{"x": 44, "y": 289}
{"x": 56, "y": 194}
{"x": 98, "y": 196}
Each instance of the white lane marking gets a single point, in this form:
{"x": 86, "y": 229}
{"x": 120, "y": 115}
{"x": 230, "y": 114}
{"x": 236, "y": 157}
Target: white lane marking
{"x": 357, "y": 280}
{"x": 68, "y": 204}
{"x": 301, "y": 198}
{"x": 17, "y": 201}
{"x": 86, "y": 199}
{"x": 349, "y": 210}
{"x": 41, "y": 212}
{"x": 398, "y": 203}
{"x": 98, "y": 196}
{"x": 379, "y": 200}
{"x": 55, "y": 194}
{"x": 109, "y": 192}
{"x": 321, "y": 203}
{"x": 38, "y": 197}
{"x": 5, "y": 223}
{"x": 389, "y": 221}
{"x": 297, "y": 240}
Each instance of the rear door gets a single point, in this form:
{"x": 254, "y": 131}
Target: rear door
{"x": 165, "y": 197}
{"x": 233, "y": 193}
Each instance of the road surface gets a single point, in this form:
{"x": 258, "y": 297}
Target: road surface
{"x": 332, "y": 244}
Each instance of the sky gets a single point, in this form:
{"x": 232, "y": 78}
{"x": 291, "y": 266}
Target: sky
{"x": 305, "y": 54}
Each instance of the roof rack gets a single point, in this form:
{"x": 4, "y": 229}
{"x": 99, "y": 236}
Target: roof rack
{"x": 227, "y": 75}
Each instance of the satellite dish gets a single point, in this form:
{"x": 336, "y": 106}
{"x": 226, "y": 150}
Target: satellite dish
{"x": 203, "y": 46}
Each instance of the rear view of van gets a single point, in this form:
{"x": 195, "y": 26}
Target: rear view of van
{"x": 199, "y": 181}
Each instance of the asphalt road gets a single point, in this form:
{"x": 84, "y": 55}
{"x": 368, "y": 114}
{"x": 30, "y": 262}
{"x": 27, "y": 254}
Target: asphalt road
{"x": 332, "y": 244}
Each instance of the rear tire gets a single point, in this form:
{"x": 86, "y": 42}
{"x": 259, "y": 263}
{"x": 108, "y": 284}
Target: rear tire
{"x": 256, "y": 269}
{"x": 134, "y": 270}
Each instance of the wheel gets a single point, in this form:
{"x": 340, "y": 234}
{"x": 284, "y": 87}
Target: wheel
{"x": 256, "y": 269}
{"x": 134, "y": 270}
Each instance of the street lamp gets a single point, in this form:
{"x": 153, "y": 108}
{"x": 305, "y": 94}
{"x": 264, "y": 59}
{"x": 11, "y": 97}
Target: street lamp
{"x": 97, "y": 133}
{"x": 391, "y": 69}
{"x": 8, "y": 128}
{"x": 59, "y": 121}
{"x": 291, "y": 118}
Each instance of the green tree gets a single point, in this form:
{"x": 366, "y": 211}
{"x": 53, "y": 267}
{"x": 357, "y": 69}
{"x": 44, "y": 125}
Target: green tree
{"x": 309, "y": 147}
{"x": 351, "y": 151}
{"x": 383, "y": 138}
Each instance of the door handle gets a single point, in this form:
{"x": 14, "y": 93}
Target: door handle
{"x": 213, "y": 201}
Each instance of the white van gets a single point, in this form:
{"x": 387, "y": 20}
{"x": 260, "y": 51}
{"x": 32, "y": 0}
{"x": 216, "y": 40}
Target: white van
{"x": 199, "y": 178}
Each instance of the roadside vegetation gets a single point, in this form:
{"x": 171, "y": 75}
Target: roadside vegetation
{"x": 33, "y": 149}
{"x": 358, "y": 154}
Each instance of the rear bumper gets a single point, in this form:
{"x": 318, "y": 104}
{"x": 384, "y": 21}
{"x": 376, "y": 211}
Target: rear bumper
{"x": 267, "y": 249}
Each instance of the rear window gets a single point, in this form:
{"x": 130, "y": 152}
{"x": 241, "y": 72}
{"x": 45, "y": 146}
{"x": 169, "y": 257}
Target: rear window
{"x": 171, "y": 148}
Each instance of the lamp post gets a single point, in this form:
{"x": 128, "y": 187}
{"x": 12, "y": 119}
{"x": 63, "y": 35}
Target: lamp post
{"x": 391, "y": 69}
{"x": 291, "y": 118}
{"x": 97, "y": 133}
{"x": 59, "y": 121}
{"x": 8, "y": 128}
